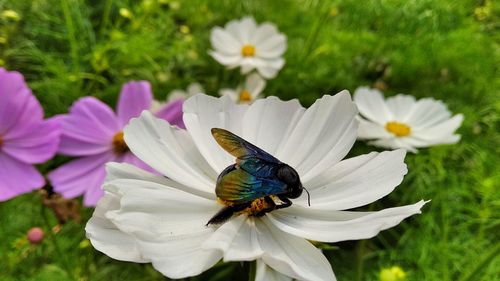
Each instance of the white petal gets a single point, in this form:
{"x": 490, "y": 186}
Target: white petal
{"x": 246, "y": 29}
{"x": 394, "y": 143}
{"x": 269, "y": 122}
{"x": 107, "y": 238}
{"x": 356, "y": 181}
{"x": 201, "y": 114}
{"x": 231, "y": 93}
{"x": 224, "y": 42}
{"x": 371, "y": 105}
{"x": 228, "y": 60}
{"x": 255, "y": 84}
{"x": 269, "y": 68}
{"x": 291, "y": 255}
{"x": 334, "y": 226}
{"x": 264, "y": 31}
{"x": 168, "y": 225}
{"x": 175, "y": 95}
{"x": 265, "y": 273}
{"x": 271, "y": 48}
{"x": 427, "y": 112}
{"x": 442, "y": 130}
{"x": 372, "y": 130}
{"x": 237, "y": 238}
{"x": 169, "y": 150}
{"x": 400, "y": 106}
{"x": 322, "y": 137}
{"x": 194, "y": 89}
{"x": 120, "y": 171}
{"x": 247, "y": 239}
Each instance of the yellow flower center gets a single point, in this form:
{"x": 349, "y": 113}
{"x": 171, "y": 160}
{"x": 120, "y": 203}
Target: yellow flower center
{"x": 1, "y": 141}
{"x": 119, "y": 145}
{"x": 398, "y": 129}
{"x": 248, "y": 50}
{"x": 245, "y": 96}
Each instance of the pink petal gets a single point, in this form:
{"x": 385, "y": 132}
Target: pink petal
{"x": 172, "y": 112}
{"x": 18, "y": 106}
{"x": 81, "y": 176}
{"x": 17, "y": 177}
{"x": 88, "y": 128}
{"x": 135, "y": 97}
{"x": 34, "y": 144}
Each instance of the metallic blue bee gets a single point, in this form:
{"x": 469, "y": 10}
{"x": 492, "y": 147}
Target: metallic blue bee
{"x": 256, "y": 184}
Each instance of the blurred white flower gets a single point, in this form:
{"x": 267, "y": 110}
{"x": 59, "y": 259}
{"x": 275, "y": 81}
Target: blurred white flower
{"x": 243, "y": 43}
{"x": 403, "y": 122}
{"x": 192, "y": 89}
{"x": 248, "y": 92}
{"x": 162, "y": 219}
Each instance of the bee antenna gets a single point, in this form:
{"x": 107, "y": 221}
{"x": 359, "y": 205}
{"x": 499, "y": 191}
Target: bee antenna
{"x": 308, "y": 197}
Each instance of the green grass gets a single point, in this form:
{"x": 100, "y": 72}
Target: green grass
{"x": 430, "y": 48}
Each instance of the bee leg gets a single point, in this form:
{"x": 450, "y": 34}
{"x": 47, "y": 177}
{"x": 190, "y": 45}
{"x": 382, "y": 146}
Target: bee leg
{"x": 271, "y": 206}
{"x": 286, "y": 202}
{"x": 226, "y": 213}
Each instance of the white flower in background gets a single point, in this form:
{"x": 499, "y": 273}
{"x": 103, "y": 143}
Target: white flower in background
{"x": 162, "y": 219}
{"x": 248, "y": 92}
{"x": 403, "y": 122}
{"x": 251, "y": 46}
{"x": 192, "y": 89}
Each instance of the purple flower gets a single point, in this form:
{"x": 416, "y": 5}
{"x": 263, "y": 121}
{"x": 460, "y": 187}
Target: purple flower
{"x": 93, "y": 132}
{"x": 25, "y": 137}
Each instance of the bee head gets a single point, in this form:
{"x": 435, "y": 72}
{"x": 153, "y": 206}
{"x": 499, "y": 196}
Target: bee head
{"x": 289, "y": 176}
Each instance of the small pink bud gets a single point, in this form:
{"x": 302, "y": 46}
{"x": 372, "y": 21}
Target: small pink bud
{"x": 35, "y": 235}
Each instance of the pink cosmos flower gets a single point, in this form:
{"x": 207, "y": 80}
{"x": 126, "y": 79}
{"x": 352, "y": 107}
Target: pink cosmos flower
{"x": 25, "y": 137}
{"x": 93, "y": 131}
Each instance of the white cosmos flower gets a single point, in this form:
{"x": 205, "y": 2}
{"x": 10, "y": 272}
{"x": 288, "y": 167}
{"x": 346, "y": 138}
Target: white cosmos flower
{"x": 192, "y": 89}
{"x": 251, "y": 46}
{"x": 149, "y": 218}
{"x": 403, "y": 122}
{"x": 248, "y": 92}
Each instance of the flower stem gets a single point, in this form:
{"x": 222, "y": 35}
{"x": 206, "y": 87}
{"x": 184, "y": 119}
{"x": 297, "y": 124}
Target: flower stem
{"x": 71, "y": 36}
{"x": 360, "y": 256}
{"x": 252, "y": 270}
{"x": 53, "y": 239}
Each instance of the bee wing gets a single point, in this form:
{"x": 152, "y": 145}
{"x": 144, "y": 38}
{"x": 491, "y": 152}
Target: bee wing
{"x": 239, "y": 147}
{"x": 238, "y": 186}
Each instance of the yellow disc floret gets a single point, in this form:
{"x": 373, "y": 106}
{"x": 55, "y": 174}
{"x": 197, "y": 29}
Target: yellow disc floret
{"x": 398, "y": 129}
{"x": 245, "y": 96}
{"x": 248, "y": 50}
{"x": 119, "y": 145}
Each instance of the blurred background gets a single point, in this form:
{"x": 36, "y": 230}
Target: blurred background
{"x": 447, "y": 50}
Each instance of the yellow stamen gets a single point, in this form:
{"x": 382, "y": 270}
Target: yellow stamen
{"x": 245, "y": 96}
{"x": 248, "y": 50}
{"x": 119, "y": 145}
{"x": 398, "y": 129}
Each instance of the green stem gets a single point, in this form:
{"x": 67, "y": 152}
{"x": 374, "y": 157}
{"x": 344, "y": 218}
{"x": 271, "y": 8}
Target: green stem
{"x": 53, "y": 239}
{"x": 360, "y": 256}
{"x": 105, "y": 17}
{"x": 483, "y": 263}
{"x": 252, "y": 271}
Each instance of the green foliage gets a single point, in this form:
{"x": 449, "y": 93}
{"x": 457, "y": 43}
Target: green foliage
{"x": 442, "y": 49}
